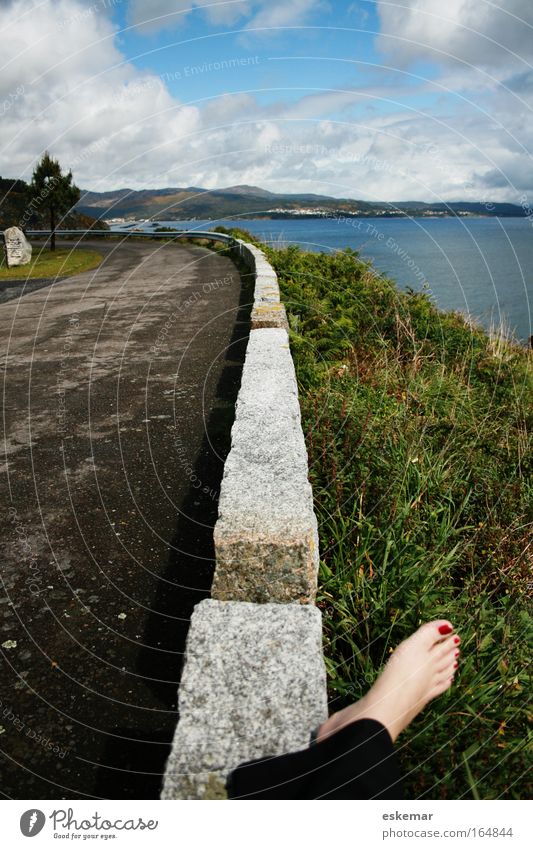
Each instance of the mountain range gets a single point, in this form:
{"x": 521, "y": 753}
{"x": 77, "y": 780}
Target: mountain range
{"x": 175, "y": 204}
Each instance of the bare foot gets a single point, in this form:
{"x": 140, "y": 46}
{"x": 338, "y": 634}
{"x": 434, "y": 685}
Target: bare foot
{"x": 421, "y": 668}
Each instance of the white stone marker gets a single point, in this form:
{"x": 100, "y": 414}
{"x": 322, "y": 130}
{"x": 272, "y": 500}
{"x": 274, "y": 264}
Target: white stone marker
{"x": 17, "y": 247}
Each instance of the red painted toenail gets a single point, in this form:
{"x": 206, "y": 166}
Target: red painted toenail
{"x": 445, "y": 629}
{"x": 455, "y": 665}
{"x": 457, "y": 653}
{"x": 456, "y": 640}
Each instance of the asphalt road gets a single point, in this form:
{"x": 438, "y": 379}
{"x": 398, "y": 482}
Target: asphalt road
{"x": 118, "y": 398}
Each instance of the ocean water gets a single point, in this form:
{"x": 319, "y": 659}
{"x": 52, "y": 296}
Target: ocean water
{"x": 480, "y": 266}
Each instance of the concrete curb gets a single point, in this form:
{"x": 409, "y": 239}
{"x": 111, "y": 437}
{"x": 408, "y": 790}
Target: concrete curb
{"x": 254, "y": 682}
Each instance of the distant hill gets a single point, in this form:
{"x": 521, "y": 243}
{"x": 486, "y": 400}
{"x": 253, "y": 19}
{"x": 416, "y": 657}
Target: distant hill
{"x": 15, "y": 210}
{"x": 246, "y": 201}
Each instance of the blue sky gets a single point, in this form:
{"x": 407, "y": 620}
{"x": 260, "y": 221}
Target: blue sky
{"x": 335, "y": 48}
{"x": 194, "y": 41}
{"x": 379, "y": 99}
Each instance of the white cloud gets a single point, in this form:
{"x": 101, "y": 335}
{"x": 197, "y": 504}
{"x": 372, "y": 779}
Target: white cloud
{"x": 68, "y": 88}
{"x": 478, "y": 32}
{"x": 80, "y": 98}
{"x": 284, "y": 13}
{"x": 484, "y": 52}
{"x": 164, "y": 14}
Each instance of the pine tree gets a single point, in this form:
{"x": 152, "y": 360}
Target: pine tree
{"x": 54, "y": 190}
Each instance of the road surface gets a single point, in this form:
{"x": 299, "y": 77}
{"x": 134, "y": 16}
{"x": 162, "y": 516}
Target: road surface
{"x": 118, "y": 397}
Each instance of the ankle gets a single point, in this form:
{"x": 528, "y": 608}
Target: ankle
{"x": 341, "y": 719}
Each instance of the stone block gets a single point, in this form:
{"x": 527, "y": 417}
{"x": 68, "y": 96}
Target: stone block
{"x": 269, "y": 315}
{"x": 253, "y": 685}
{"x": 266, "y": 539}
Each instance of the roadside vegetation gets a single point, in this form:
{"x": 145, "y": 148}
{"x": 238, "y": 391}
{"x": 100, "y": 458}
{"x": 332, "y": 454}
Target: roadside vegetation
{"x": 63, "y": 262}
{"x": 418, "y": 428}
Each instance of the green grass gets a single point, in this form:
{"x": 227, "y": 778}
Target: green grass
{"x": 418, "y": 429}
{"x": 63, "y": 262}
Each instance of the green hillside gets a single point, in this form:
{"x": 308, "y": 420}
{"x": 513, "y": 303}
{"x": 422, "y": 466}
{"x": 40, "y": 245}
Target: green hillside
{"x": 245, "y": 201}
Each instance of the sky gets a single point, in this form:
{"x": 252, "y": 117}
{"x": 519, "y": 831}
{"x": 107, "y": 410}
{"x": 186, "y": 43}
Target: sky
{"x": 373, "y": 99}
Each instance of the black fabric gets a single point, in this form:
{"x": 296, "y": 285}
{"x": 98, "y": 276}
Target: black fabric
{"x": 358, "y": 762}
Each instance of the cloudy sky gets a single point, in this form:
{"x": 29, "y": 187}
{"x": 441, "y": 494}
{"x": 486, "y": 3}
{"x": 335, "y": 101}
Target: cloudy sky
{"x": 374, "y": 99}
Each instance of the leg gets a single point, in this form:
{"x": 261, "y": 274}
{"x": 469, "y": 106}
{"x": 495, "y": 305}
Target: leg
{"x": 354, "y": 755}
{"x": 421, "y": 668}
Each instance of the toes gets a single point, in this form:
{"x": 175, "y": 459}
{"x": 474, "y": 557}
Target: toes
{"x": 433, "y": 632}
{"x": 444, "y": 650}
{"x": 441, "y": 687}
{"x": 447, "y": 665}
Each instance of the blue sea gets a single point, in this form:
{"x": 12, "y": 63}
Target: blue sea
{"x": 480, "y": 266}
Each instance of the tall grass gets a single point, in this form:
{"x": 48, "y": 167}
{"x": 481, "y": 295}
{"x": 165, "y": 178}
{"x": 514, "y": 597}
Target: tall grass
{"x": 418, "y": 428}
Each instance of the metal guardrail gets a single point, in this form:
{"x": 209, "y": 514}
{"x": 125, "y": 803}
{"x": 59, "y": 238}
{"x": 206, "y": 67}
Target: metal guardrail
{"x": 173, "y": 234}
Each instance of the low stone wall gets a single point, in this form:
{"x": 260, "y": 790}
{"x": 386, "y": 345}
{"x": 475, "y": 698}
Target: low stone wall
{"x": 254, "y": 682}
